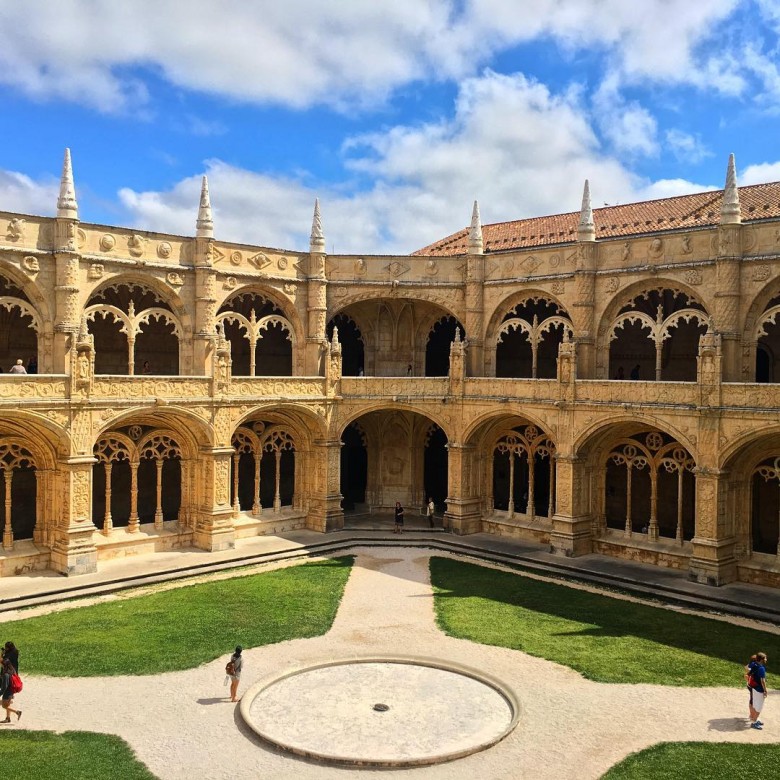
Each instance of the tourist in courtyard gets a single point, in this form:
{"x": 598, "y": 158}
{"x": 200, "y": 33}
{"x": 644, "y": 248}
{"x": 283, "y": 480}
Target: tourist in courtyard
{"x": 32, "y": 365}
{"x": 399, "y": 518}
{"x": 233, "y": 671}
{"x": 431, "y": 509}
{"x": 756, "y": 676}
{"x": 636, "y": 371}
{"x": 147, "y": 369}
{"x": 18, "y": 368}
{"x": 620, "y": 373}
{"x": 10, "y": 653}
{"x": 6, "y": 692}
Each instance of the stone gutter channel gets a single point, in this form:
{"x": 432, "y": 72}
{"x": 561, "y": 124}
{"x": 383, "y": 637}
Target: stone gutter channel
{"x": 691, "y": 595}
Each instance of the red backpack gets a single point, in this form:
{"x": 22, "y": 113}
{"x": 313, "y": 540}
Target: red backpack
{"x": 16, "y": 683}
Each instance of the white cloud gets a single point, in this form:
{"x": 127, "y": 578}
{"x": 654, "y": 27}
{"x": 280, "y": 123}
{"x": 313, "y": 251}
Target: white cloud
{"x": 686, "y": 147}
{"x": 629, "y": 127}
{"x": 759, "y": 173}
{"x": 23, "y": 195}
{"x": 517, "y": 147}
{"x": 303, "y": 52}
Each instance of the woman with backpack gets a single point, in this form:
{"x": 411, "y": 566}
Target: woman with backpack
{"x": 233, "y": 671}
{"x": 755, "y": 672}
{"x": 7, "y": 691}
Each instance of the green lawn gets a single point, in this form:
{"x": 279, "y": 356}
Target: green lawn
{"x": 605, "y": 639}
{"x": 74, "y": 755}
{"x": 686, "y": 760}
{"x": 184, "y": 627}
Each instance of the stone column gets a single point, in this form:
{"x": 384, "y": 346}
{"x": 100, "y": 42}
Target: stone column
{"x": 582, "y": 312}
{"x": 713, "y": 561}
{"x": 463, "y": 515}
{"x": 214, "y": 527}
{"x": 73, "y": 550}
{"x": 571, "y": 534}
{"x": 325, "y": 512}
{"x": 727, "y": 295}
{"x": 66, "y": 297}
{"x": 475, "y": 314}
{"x": 205, "y": 306}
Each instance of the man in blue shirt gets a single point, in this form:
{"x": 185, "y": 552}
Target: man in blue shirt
{"x": 756, "y": 671}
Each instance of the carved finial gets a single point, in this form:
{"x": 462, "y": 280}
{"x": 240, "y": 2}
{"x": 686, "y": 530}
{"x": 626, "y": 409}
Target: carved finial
{"x": 730, "y": 211}
{"x": 587, "y": 229}
{"x": 204, "y": 226}
{"x": 475, "y": 232}
{"x": 83, "y": 330}
{"x": 66, "y": 203}
{"x": 457, "y": 334}
{"x": 317, "y": 238}
{"x": 335, "y": 338}
{"x": 131, "y": 309}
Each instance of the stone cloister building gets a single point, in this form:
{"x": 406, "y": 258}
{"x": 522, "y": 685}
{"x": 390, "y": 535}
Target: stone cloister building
{"x": 598, "y": 381}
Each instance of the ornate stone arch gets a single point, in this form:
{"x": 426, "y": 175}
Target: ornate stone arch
{"x": 501, "y": 325}
{"x": 617, "y": 316}
{"x": 255, "y": 330}
{"x": 138, "y": 323}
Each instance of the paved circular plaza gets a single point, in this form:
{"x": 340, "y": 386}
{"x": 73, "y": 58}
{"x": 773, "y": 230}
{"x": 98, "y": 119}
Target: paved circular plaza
{"x": 381, "y": 712}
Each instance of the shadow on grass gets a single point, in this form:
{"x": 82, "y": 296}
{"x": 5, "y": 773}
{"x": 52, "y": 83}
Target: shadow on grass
{"x": 604, "y": 638}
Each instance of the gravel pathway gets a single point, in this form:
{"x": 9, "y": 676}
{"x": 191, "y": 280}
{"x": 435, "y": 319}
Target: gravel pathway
{"x": 181, "y": 724}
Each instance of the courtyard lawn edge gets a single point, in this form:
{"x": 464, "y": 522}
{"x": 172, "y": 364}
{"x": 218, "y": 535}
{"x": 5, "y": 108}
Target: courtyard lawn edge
{"x": 77, "y": 755}
{"x": 603, "y": 638}
{"x": 684, "y": 760}
{"x": 184, "y": 627}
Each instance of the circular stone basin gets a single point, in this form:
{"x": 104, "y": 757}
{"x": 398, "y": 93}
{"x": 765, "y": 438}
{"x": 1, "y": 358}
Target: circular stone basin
{"x": 381, "y": 711}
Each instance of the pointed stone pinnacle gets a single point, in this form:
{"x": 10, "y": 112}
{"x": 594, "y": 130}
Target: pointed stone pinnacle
{"x": 66, "y": 202}
{"x": 586, "y": 231}
{"x": 317, "y": 238}
{"x": 204, "y": 226}
{"x": 730, "y": 213}
{"x": 475, "y": 232}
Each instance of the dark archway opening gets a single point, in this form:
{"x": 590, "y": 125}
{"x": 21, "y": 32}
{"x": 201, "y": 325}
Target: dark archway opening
{"x": 354, "y": 468}
{"x": 352, "y": 349}
{"x": 274, "y": 352}
{"x": 437, "y": 351}
{"x": 764, "y": 365}
{"x": 436, "y": 467}
{"x": 764, "y": 525}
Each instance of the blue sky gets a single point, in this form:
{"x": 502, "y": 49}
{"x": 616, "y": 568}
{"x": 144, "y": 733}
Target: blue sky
{"x": 396, "y": 114}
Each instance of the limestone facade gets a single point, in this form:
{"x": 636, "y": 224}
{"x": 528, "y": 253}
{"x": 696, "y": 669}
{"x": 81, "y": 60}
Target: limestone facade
{"x": 596, "y": 392}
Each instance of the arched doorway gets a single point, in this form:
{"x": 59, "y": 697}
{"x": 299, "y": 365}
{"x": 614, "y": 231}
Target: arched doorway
{"x": 403, "y": 456}
{"x": 354, "y": 468}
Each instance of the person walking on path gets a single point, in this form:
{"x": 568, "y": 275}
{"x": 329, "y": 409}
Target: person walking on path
{"x": 431, "y": 509}
{"x": 233, "y": 671}
{"x": 11, "y": 654}
{"x": 6, "y": 692}
{"x": 399, "y": 518}
{"x": 756, "y": 677}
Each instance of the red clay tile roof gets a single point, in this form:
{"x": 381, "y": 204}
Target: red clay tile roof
{"x": 702, "y": 209}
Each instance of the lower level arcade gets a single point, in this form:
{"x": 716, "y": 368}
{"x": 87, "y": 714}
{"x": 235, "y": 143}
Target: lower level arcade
{"x": 155, "y": 481}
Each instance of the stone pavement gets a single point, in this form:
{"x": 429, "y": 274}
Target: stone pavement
{"x": 182, "y": 726}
